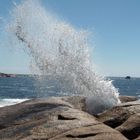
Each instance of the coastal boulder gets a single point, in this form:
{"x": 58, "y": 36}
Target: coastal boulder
{"x": 124, "y": 118}
{"x": 131, "y": 127}
{"x": 54, "y": 118}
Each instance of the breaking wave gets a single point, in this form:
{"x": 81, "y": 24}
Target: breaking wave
{"x": 61, "y": 53}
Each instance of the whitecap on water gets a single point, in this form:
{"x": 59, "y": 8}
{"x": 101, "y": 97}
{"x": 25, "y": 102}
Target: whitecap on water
{"x": 8, "y": 102}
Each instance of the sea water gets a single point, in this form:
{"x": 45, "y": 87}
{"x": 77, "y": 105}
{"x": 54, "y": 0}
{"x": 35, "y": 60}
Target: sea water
{"x": 20, "y": 88}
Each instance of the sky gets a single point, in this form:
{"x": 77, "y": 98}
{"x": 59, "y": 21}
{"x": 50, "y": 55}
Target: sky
{"x": 116, "y": 34}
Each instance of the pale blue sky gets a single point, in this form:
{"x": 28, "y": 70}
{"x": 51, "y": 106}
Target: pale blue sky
{"x": 116, "y": 34}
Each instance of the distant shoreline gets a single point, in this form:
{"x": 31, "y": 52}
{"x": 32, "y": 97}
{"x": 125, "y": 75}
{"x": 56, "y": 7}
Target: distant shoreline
{"x": 6, "y": 75}
{"x": 2, "y": 74}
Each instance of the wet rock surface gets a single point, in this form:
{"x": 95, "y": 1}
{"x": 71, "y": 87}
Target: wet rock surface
{"x": 65, "y": 118}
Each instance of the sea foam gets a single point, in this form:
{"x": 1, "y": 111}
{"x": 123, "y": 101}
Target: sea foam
{"x": 62, "y": 53}
{"x": 9, "y": 102}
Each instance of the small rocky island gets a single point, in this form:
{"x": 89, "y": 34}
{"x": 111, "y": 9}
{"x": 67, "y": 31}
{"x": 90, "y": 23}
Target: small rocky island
{"x": 66, "y": 118}
{"x": 6, "y": 75}
{"x": 127, "y": 77}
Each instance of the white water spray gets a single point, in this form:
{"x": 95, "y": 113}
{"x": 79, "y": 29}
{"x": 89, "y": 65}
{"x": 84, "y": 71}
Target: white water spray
{"x": 62, "y": 53}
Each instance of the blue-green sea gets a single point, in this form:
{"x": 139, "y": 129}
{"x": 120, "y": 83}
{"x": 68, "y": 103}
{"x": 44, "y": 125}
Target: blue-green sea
{"x": 22, "y": 87}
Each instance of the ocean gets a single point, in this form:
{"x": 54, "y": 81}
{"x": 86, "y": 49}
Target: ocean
{"x": 17, "y": 89}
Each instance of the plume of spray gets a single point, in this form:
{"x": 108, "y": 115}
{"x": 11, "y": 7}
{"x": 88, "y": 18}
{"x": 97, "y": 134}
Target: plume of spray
{"x": 61, "y": 53}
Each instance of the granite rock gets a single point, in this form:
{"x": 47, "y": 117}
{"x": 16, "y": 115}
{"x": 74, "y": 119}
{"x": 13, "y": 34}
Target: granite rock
{"x": 55, "y": 118}
{"x": 125, "y": 118}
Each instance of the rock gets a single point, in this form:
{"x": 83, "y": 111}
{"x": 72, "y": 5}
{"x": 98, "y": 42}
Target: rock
{"x": 138, "y": 138}
{"x": 124, "y": 99}
{"x": 93, "y": 132}
{"x": 131, "y": 127}
{"x": 127, "y": 77}
{"x": 124, "y": 118}
{"x": 55, "y": 118}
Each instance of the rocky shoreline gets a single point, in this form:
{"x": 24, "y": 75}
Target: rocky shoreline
{"x": 6, "y": 75}
{"x": 66, "y": 118}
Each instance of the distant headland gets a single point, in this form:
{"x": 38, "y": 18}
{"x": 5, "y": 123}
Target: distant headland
{"x": 6, "y": 75}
